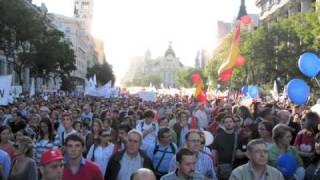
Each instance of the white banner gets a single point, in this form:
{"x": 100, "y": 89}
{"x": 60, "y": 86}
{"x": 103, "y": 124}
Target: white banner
{"x": 5, "y": 87}
{"x": 16, "y": 91}
{"x": 148, "y": 96}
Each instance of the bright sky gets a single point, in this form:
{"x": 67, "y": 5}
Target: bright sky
{"x": 130, "y": 27}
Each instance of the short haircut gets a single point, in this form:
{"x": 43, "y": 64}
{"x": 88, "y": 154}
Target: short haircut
{"x": 134, "y": 131}
{"x": 226, "y": 117}
{"x": 268, "y": 125}
{"x": 162, "y": 131}
{"x": 183, "y": 152}
{"x": 279, "y": 131}
{"x": 74, "y": 137}
{"x": 149, "y": 114}
{"x": 191, "y": 132}
{"x": 253, "y": 143}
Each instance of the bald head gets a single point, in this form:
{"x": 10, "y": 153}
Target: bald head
{"x": 143, "y": 174}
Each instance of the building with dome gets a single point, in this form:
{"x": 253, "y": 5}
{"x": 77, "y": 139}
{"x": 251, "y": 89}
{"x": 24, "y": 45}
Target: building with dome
{"x": 165, "y": 67}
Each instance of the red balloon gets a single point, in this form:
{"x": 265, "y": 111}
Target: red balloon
{"x": 246, "y": 20}
{"x": 241, "y": 61}
{"x": 226, "y": 75}
{"x": 202, "y": 97}
{"x": 196, "y": 78}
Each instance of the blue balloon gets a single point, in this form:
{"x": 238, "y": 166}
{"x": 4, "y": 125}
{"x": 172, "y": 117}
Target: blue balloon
{"x": 309, "y": 64}
{"x": 287, "y": 164}
{"x": 244, "y": 90}
{"x": 298, "y": 91}
{"x": 253, "y": 91}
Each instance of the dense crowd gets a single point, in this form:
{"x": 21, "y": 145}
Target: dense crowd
{"x": 126, "y": 138}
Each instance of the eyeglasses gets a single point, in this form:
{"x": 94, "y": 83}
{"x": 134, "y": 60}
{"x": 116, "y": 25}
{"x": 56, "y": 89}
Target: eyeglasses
{"x": 194, "y": 140}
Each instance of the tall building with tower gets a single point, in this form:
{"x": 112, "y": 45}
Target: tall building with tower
{"x": 83, "y": 10}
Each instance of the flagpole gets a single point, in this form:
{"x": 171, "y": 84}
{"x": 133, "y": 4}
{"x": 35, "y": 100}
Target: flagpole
{"x": 317, "y": 81}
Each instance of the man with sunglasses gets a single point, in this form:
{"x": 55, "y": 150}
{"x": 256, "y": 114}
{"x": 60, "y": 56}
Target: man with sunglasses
{"x": 162, "y": 151}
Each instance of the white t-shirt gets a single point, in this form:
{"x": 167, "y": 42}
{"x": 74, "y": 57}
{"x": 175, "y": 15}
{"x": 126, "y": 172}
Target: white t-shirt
{"x": 151, "y": 137}
{"x": 101, "y": 156}
{"x": 202, "y": 118}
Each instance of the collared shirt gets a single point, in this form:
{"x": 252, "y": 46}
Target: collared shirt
{"x": 156, "y": 155}
{"x": 245, "y": 172}
{"x": 129, "y": 165}
{"x": 204, "y": 165}
{"x": 87, "y": 170}
{"x": 174, "y": 176}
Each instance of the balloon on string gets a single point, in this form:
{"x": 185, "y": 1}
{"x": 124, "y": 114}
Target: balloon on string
{"x": 202, "y": 97}
{"x": 246, "y": 20}
{"x": 240, "y": 61}
{"x": 196, "y": 78}
{"x": 253, "y": 91}
{"x": 309, "y": 64}
{"x": 287, "y": 164}
{"x": 244, "y": 90}
{"x": 298, "y": 91}
{"x": 226, "y": 75}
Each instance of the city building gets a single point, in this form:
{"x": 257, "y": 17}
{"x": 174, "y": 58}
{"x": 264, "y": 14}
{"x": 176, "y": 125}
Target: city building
{"x": 165, "y": 67}
{"x": 274, "y": 10}
{"x": 99, "y": 48}
{"x": 83, "y": 10}
{"x": 202, "y": 59}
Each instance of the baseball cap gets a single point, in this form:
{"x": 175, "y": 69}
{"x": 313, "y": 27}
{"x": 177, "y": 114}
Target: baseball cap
{"x": 51, "y": 155}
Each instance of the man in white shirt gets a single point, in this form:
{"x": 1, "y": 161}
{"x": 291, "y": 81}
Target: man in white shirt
{"x": 202, "y": 117}
{"x": 148, "y": 128}
{"x": 67, "y": 122}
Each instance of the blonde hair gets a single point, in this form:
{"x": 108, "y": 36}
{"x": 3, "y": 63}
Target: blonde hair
{"x": 27, "y": 146}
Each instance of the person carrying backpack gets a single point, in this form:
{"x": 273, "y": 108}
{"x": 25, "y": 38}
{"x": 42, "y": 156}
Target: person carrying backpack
{"x": 161, "y": 152}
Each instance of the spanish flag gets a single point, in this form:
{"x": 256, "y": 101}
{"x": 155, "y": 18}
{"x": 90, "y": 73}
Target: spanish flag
{"x": 234, "y": 51}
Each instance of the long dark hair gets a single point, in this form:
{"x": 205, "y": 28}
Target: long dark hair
{"x": 2, "y": 128}
{"x": 51, "y": 134}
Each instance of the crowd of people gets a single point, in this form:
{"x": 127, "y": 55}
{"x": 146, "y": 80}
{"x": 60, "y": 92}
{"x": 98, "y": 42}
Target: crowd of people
{"x": 87, "y": 138}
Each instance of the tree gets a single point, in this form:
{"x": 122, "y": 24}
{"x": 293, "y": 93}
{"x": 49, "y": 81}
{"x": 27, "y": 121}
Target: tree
{"x": 183, "y": 77}
{"x": 272, "y": 51}
{"x": 103, "y": 72}
{"x": 28, "y": 42}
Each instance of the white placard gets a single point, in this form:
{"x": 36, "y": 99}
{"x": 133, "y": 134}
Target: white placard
{"x": 5, "y": 87}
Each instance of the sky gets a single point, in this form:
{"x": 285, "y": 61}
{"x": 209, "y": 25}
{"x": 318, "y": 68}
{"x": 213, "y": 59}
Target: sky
{"x": 130, "y": 27}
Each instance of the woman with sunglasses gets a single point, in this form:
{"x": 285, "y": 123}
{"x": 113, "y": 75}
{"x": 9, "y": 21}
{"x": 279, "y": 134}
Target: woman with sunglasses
{"x": 100, "y": 153}
{"x": 23, "y": 165}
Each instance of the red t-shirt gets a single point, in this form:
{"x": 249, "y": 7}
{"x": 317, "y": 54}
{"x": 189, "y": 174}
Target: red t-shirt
{"x": 305, "y": 141}
{"x": 88, "y": 171}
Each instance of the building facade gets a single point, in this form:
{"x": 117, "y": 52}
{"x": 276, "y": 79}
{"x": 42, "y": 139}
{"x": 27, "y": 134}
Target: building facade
{"x": 83, "y": 11}
{"x": 165, "y": 67}
{"x": 274, "y": 10}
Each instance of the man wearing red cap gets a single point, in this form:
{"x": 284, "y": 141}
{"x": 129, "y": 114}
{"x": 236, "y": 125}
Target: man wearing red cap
{"x": 51, "y": 165}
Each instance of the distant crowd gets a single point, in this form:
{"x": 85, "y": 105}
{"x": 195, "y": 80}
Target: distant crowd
{"x": 176, "y": 137}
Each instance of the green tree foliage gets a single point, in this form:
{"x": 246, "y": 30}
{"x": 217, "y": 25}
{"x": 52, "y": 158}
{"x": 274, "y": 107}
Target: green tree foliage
{"x": 183, "y": 77}
{"x": 103, "y": 72}
{"x": 28, "y": 41}
{"x": 272, "y": 51}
